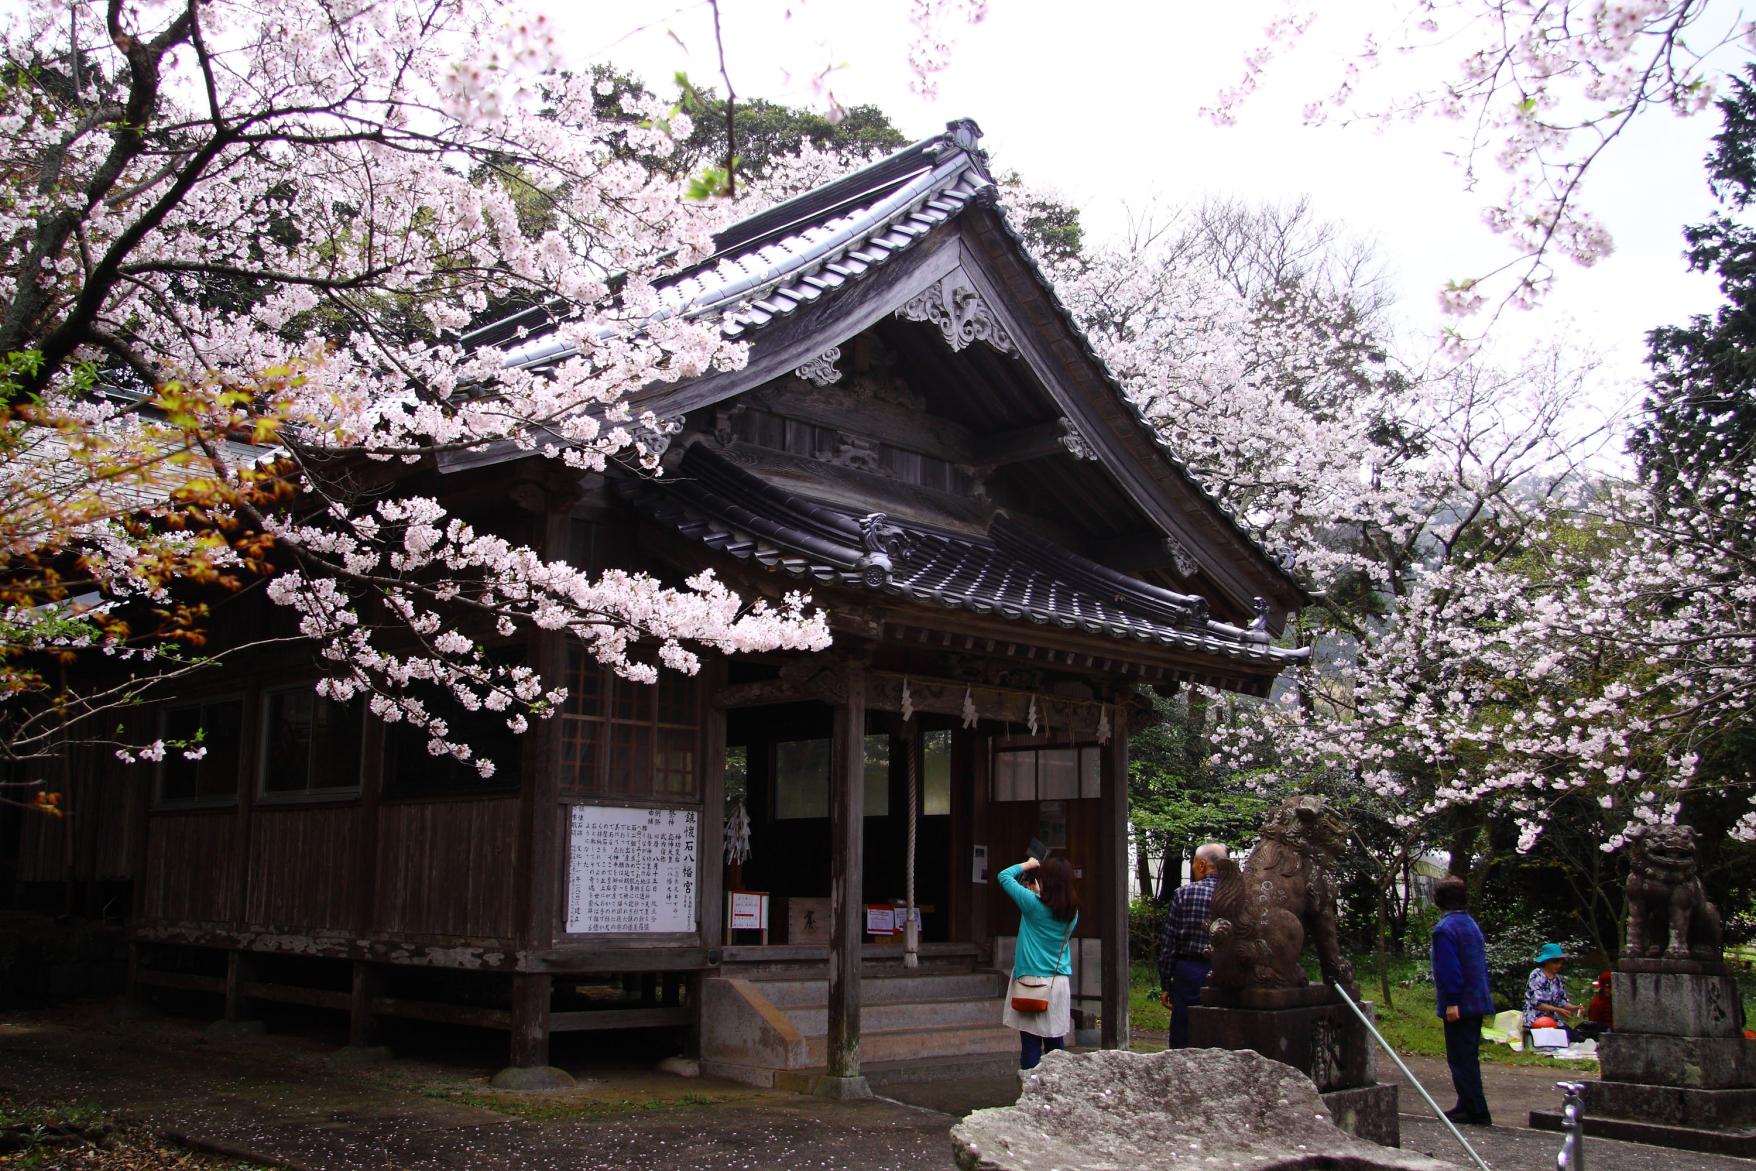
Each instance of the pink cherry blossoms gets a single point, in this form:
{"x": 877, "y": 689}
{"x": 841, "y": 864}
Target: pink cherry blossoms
{"x": 1538, "y": 92}
{"x": 273, "y": 222}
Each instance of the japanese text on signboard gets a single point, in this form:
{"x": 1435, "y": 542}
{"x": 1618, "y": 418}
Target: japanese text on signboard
{"x": 631, "y": 870}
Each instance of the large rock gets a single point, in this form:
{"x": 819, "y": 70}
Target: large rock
{"x": 1188, "y": 1109}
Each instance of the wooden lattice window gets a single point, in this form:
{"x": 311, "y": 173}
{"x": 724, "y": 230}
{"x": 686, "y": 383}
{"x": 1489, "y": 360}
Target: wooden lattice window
{"x": 625, "y": 739}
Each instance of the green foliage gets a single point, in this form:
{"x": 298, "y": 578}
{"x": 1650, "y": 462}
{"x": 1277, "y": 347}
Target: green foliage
{"x": 1177, "y": 797}
{"x": 1148, "y": 1018}
{"x": 1146, "y": 918}
{"x": 1049, "y": 226}
{"x": 1701, "y": 412}
{"x": 1512, "y": 947}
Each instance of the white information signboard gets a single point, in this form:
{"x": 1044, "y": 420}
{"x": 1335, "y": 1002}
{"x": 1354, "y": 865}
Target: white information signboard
{"x": 631, "y": 870}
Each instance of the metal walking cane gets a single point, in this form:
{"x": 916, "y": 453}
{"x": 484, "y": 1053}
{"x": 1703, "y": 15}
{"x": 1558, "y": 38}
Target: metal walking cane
{"x": 1413, "y": 1080}
{"x": 1572, "y": 1154}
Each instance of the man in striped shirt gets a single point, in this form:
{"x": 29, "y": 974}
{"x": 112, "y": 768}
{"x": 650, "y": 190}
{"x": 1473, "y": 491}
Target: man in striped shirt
{"x": 1183, "y": 942}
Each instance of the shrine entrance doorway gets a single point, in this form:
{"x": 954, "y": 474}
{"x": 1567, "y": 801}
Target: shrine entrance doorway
{"x": 778, "y": 769}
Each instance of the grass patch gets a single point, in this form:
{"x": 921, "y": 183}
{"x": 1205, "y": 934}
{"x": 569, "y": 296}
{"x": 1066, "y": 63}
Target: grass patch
{"x": 1408, "y": 1022}
{"x": 1411, "y": 1026}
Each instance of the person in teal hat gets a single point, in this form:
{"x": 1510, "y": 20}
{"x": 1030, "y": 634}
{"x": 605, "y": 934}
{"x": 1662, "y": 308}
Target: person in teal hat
{"x": 1545, "y": 994}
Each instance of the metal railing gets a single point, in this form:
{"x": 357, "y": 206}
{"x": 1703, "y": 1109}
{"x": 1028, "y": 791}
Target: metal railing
{"x": 1409, "y": 1074}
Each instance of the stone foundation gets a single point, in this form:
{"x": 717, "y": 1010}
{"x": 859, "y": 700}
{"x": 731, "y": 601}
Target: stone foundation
{"x": 1311, "y": 1030}
{"x": 1676, "y": 1070}
{"x": 1366, "y": 1112}
{"x": 1728, "y": 1109}
{"x": 1699, "y": 1063}
{"x": 1325, "y": 1042}
{"x": 1676, "y": 1003}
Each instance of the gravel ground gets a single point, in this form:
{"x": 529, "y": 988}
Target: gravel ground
{"x": 281, "y": 1098}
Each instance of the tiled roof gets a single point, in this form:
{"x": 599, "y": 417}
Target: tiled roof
{"x": 811, "y": 246}
{"x": 1009, "y": 573}
{"x": 805, "y": 248}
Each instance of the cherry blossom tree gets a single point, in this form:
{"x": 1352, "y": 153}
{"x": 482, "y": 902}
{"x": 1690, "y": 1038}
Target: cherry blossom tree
{"x": 241, "y": 244}
{"x": 1539, "y": 93}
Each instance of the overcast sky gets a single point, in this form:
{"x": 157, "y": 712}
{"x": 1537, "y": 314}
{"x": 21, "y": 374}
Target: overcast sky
{"x": 1100, "y": 100}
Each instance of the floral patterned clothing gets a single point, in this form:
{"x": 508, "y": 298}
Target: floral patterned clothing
{"x": 1542, "y": 988}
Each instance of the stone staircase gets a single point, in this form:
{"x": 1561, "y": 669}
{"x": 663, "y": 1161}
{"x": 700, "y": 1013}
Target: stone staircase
{"x": 928, "y": 1024}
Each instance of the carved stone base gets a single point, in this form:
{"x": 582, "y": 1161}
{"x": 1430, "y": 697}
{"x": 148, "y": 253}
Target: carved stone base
{"x": 1720, "y": 1142}
{"x": 1309, "y": 996}
{"x": 1367, "y": 1112}
{"x": 1325, "y": 1042}
{"x": 1672, "y": 1105}
{"x": 1700, "y": 1063}
{"x": 1677, "y": 1004}
{"x": 1712, "y": 967}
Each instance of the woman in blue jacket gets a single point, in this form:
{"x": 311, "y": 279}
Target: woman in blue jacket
{"x": 1460, "y": 987}
{"x": 1048, "y": 909}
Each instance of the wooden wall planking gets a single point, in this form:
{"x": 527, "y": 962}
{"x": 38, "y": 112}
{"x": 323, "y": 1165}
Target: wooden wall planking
{"x": 90, "y": 841}
{"x": 447, "y": 868}
{"x": 301, "y": 867}
{"x": 191, "y": 870}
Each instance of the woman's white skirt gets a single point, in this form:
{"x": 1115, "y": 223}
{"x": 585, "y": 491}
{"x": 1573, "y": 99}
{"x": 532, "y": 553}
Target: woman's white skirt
{"x": 1057, "y": 1022}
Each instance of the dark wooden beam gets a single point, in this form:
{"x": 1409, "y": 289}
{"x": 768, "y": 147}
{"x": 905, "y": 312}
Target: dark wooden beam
{"x": 297, "y": 994}
{"x": 1026, "y": 443}
{"x": 443, "y": 1014}
{"x": 1135, "y": 552}
{"x": 1113, "y": 882}
{"x": 847, "y": 826}
{"x": 593, "y": 959}
{"x": 619, "y": 1018}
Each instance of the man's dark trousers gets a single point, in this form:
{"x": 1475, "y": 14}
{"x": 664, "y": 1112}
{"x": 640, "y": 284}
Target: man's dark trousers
{"x": 1463, "y": 1053}
{"x": 1186, "y": 981}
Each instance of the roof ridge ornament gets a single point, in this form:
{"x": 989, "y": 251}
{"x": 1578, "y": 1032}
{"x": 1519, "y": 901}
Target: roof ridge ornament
{"x": 885, "y": 545}
{"x": 953, "y": 305}
{"x": 965, "y": 135}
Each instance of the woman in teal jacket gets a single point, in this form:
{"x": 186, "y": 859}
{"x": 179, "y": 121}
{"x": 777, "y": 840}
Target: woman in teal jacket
{"x": 1048, "y": 909}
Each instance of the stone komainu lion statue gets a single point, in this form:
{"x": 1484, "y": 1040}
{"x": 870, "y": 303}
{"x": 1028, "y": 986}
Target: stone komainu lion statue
{"x": 1668, "y": 912}
{"x": 1283, "y": 896}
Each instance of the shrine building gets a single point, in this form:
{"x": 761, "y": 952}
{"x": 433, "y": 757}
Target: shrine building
{"x": 923, "y": 440}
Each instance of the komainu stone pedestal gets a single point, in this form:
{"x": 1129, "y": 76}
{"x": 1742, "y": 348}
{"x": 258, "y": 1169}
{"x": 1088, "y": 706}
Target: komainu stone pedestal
{"x": 1311, "y": 1030}
{"x": 1677, "y": 1069}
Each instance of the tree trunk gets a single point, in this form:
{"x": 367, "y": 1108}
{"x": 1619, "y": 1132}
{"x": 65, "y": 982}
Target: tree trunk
{"x": 1171, "y": 876}
{"x": 1142, "y": 867}
{"x": 1384, "y": 938}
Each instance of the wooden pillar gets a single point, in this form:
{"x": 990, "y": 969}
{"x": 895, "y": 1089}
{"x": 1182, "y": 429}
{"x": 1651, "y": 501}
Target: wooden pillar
{"x": 847, "y": 824}
{"x": 1113, "y": 881}
{"x": 538, "y": 869}
{"x": 365, "y": 890}
{"x": 237, "y": 976}
{"x": 530, "y": 1020}
{"x": 363, "y": 1030}
{"x": 711, "y": 881}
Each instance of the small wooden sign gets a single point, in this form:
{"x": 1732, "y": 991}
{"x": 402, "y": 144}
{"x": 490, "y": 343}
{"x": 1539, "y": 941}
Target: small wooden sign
{"x": 747, "y": 910}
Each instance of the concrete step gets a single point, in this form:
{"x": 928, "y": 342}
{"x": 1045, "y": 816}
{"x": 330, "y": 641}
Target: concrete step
{"x": 882, "y": 1075}
{"x": 888, "y": 989}
{"x": 922, "y": 1044}
{"x": 813, "y": 1019}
